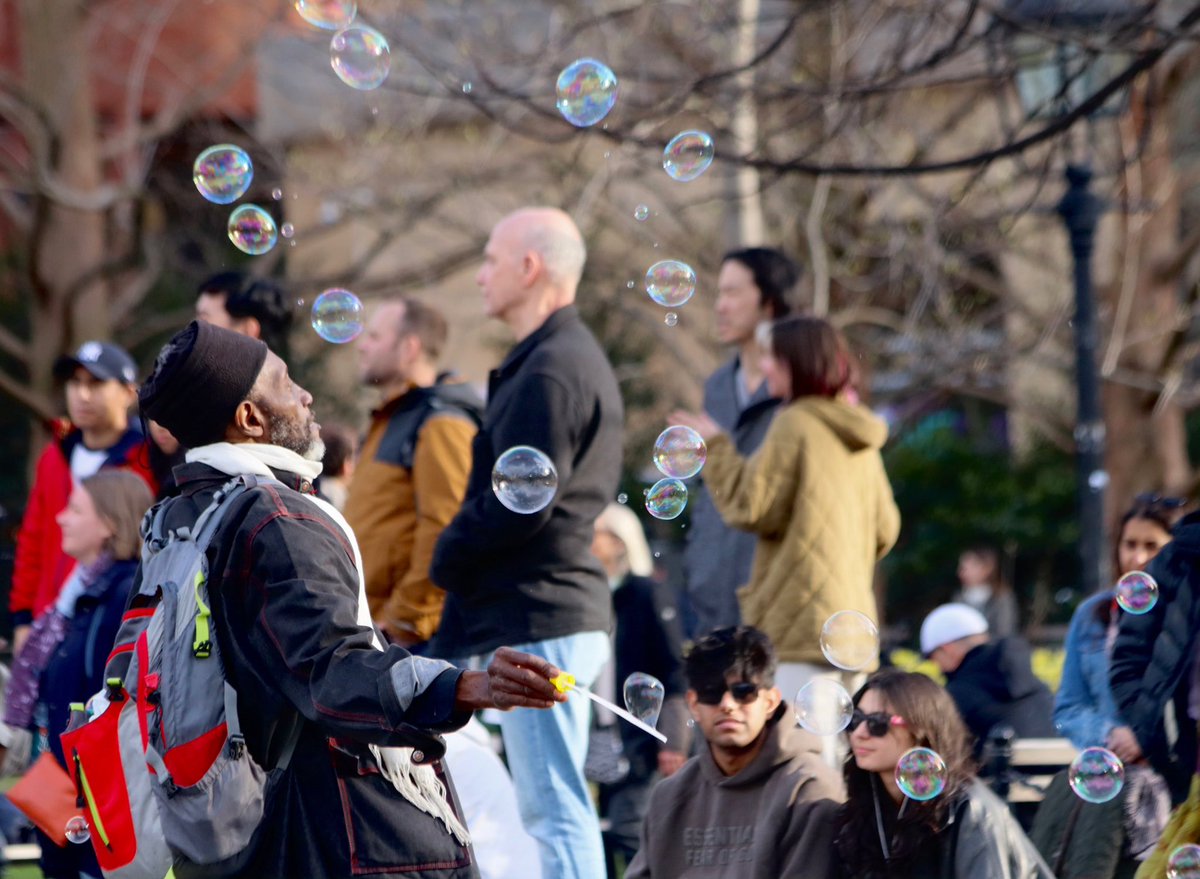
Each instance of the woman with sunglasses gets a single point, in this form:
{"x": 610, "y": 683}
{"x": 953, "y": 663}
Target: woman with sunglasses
{"x": 966, "y": 832}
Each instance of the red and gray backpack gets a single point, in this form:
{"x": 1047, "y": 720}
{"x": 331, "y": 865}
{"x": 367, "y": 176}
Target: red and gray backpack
{"x": 161, "y": 765}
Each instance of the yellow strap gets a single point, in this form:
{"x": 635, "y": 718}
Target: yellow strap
{"x": 97, "y": 824}
{"x": 202, "y": 645}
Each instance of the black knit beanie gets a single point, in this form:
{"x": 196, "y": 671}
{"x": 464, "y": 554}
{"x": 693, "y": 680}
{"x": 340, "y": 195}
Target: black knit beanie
{"x": 199, "y": 379}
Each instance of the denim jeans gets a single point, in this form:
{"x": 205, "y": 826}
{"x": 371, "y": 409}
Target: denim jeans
{"x": 546, "y": 750}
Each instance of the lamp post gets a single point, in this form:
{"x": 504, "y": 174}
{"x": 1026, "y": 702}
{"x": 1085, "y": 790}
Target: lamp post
{"x": 1055, "y": 75}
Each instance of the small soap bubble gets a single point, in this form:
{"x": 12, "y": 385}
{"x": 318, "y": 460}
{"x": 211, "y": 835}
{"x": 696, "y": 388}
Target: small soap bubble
{"x": 921, "y": 774}
{"x": 688, "y": 155}
{"x": 679, "y": 452}
{"x": 630, "y": 284}
{"x": 328, "y": 15}
{"x": 287, "y": 230}
{"x": 1096, "y": 775}
{"x": 670, "y": 283}
{"x": 467, "y": 87}
{"x": 850, "y": 640}
{"x": 666, "y": 498}
{"x": 671, "y": 318}
{"x": 641, "y": 213}
{"x": 252, "y": 229}
{"x": 77, "y": 830}
{"x": 823, "y": 707}
{"x": 524, "y": 479}
{"x": 622, "y": 498}
{"x": 1184, "y": 862}
{"x": 1137, "y": 592}
{"x": 277, "y": 194}
{"x": 299, "y": 303}
{"x": 587, "y": 90}
{"x": 223, "y": 173}
{"x": 337, "y": 316}
{"x": 644, "y": 697}
{"x": 361, "y": 57}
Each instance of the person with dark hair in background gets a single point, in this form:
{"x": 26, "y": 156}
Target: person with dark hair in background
{"x": 100, "y": 380}
{"x": 965, "y": 832}
{"x": 255, "y": 307}
{"x": 756, "y": 802}
{"x": 166, "y": 454}
{"x": 755, "y": 284}
{"x": 337, "y": 465}
{"x": 984, "y": 588}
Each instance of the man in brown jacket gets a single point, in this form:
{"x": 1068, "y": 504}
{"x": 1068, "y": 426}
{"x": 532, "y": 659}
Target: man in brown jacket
{"x": 412, "y": 469}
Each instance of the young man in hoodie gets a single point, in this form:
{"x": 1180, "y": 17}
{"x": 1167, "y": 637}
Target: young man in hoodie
{"x": 757, "y": 802}
{"x": 991, "y": 680}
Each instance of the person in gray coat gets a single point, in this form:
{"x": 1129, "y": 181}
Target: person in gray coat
{"x": 754, "y": 285}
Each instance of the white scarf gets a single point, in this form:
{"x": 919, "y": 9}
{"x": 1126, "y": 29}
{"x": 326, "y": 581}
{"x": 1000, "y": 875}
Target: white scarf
{"x": 417, "y": 783}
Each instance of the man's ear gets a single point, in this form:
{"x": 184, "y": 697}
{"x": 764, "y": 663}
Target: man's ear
{"x": 531, "y": 267}
{"x": 249, "y": 422}
{"x": 249, "y": 326}
{"x": 692, "y": 701}
{"x": 774, "y": 697}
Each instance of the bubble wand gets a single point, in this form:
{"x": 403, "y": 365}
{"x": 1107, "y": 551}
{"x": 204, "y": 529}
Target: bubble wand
{"x": 566, "y": 681}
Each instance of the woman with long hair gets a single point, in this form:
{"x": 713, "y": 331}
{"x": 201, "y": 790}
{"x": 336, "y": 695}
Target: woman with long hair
{"x": 965, "y": 832}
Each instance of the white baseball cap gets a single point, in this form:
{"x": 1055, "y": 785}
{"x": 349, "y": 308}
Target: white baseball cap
{"x": 949, "y": 622}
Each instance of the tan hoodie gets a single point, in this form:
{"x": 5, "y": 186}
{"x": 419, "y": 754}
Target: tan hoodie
{"x": 772, "y": 820}
{"x": 816, "y": 495}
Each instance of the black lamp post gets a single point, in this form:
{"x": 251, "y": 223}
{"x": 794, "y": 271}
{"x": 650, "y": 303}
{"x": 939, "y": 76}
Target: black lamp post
{"x": 1055, "y": 75}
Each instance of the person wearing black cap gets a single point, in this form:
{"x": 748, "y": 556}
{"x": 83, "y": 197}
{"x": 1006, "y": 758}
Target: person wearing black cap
{"x": 361, "y": 793}
{"x": 255, "y": 307}
{"x": 100, "y": 381}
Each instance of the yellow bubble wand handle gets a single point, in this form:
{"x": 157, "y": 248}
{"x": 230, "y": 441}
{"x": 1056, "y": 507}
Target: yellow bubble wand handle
{"x": 566, "y": 681}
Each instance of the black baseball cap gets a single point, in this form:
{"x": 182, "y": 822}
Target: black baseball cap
{"x": 103, "y": 360}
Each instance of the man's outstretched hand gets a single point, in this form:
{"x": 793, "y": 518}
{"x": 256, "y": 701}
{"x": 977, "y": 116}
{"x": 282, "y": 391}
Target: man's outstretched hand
{"x": 512, "y": 680}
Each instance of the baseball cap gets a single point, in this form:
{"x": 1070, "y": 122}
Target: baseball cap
{"x": 949, "y": 622}
{"x": 103, "y": 360}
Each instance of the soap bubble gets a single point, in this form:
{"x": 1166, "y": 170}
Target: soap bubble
{"x": 77, "y": 830}
{"x": 641, "y": 213}
{"x": 524, "y": 479}
{"x": 679, "y": 452}
{"x": 1184, "y": 862}
{"x": 252, "y": 229}
{"x": 360, "y": 57}
{"x": 1137, "y": 592}
{"x": 223, "y": 173}
{"x": 921, "y": 774}
{"x": 850, "y": 640}
{"x": 622, "y": 498}
{"x": 644, "y": 697}
{"x": 688, "y": 155}
{"x": 337, "y": 316}
{"x": 666, "y": 498}
{"x": 823, "y": 707}
{"x": 670, "y": 282}
{"x": 328, "y": 15}
{"x": 1096, "y": 775}
{"x": 287, "y": 230}
{"x": 670, "y": 318}
{"x": 587, "y": 90}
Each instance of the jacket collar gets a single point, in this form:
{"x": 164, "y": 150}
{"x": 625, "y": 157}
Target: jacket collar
{"x": 560, "y": 319}
{"x": 193, "y": 476}
{"x": 118, "y": 452}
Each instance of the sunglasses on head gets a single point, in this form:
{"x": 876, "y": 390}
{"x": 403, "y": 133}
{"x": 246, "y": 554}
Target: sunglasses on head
{"x": 1160, "y": 501}
{"x": 877, "y": 723}
{"x": 743, "y": 692}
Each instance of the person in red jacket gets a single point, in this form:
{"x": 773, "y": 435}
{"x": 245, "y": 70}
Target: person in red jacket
{"x": 100, "y": 382}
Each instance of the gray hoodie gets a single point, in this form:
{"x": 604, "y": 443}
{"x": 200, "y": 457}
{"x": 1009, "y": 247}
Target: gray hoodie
{"x": 772, "y": 820}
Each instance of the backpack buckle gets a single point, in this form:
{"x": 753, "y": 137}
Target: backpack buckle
{"x": 202, "y": 649}
{"x": 237, "y": 747}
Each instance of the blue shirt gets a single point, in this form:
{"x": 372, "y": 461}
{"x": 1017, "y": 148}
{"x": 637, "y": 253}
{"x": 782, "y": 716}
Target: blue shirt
{"x": 1084, "y": 710}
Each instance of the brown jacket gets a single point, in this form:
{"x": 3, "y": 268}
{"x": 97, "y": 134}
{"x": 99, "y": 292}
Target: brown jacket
{"x": 398, "y": 511}
{"x": 819, "y": 500}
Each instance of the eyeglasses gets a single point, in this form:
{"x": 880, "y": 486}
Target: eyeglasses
{"x": 1161, "y": 501}
{"x": 744, "y": 692}
{"x": 877, "y": 723}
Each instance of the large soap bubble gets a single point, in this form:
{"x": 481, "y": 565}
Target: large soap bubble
{"x": 850, "y": 640}
{"x": 823, "y": 707}
{"x": 77, "y": 830}
{"x": 223, "y": 173}
{"x": 921, "y": 774}
{"x": 524, "y": 479}
{"x": 1096, "y": 775}
{"x": 252, "y": 229}
{"x": 329, "y": 15}
{"x": 666, "y": 498}
{"x": 1184, "y": 862}
{"x": 587, "y": 90}
{"x": 361, "y": 57}
{"x": 337, "y": 316}
{"x": 644, "y": 697}
{"x": 1137, "y": 592}
{"x": 670, "y": 283}
{"x": 679, "y": 452}
{"x": 688, "y": 155}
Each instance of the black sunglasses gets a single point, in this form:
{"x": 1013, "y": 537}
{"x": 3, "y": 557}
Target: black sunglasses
{"x": 877, "y": 723}
{"x": 744, "y": 692}
{"x": 1158, "y": 500}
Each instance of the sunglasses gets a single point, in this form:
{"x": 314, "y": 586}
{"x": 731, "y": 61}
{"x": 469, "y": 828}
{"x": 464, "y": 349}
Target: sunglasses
{"x": 744, "y": 692}
{"x": 1158, "y": 500}
{"x": 877, "y": 724}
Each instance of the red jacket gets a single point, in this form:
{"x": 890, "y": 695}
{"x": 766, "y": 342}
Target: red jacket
{"x": 41, "y": 566}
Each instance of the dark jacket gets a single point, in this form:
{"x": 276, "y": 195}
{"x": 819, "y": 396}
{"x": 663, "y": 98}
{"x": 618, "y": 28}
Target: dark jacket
{"x": 1152, "y": 659}
{"x": 284, "y": 594}
{"x": 514, "y": 578}
{"x": 717, "y": 558}
{"x": 76, "y": 669}
{"x": 995, "y": 685}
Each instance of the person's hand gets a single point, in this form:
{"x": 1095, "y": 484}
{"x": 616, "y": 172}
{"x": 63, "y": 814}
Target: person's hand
{"x": 669, "y": 762}
{"x": 1123, "y": 743}
{"x": 512, "y": 680}
{"x": 20, "y": 635}
{"x": 697, "y": 421}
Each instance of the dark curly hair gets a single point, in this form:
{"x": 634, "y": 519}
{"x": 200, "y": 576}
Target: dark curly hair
{"x": 930, "y": 715}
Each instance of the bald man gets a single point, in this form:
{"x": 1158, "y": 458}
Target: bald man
{"x": 531, "y": 578}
